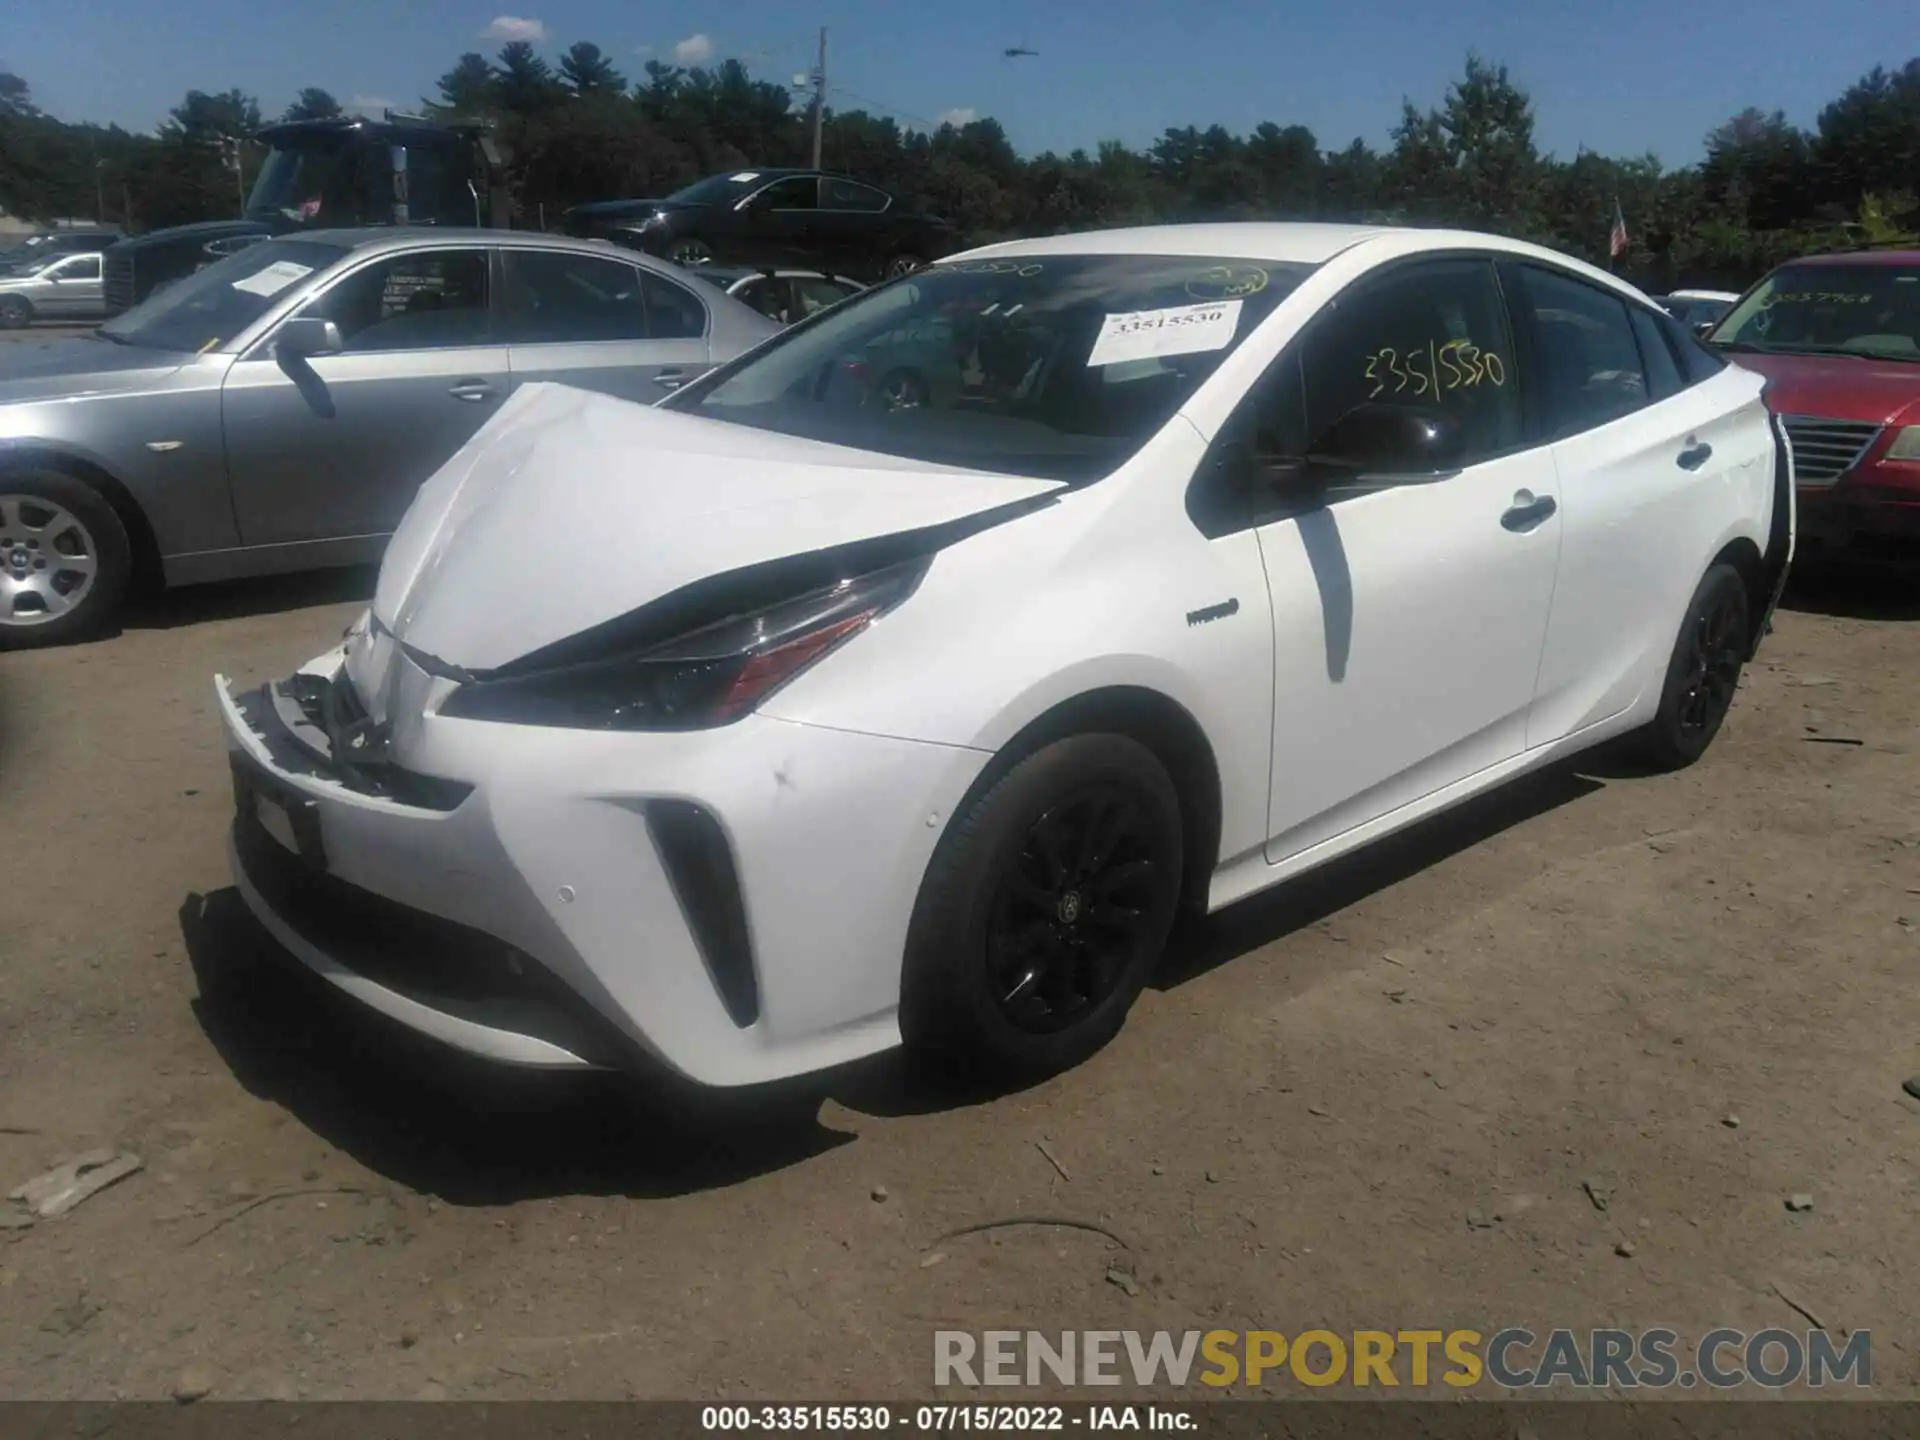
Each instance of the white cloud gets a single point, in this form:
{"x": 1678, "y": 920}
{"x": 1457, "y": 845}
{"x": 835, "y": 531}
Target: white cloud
{"x": 370, "y": 104}
{"x": 513, "y": 27}
{"x": 958, "y": 116}
{"x": 694, "y": 50}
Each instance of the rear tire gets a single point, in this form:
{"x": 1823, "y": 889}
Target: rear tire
{"x": 1702, "y": 674}
{"x": 903, "y": 264}
{"x": 16, "y": 312}
{"x": 690, "y": 254}
{"x": 65, "y": 561}
{"x": 1045, "y": 907}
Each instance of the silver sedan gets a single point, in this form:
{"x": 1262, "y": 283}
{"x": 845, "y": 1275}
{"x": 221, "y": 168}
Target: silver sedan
{"x": 54, "y": 287}
{"x": 278, "y": 410}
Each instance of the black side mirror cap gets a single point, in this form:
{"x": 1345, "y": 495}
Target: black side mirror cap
{"x": 1389, "y": 444}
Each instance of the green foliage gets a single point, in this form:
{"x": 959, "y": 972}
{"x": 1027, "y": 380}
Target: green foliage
{"x": 577, "y": 130}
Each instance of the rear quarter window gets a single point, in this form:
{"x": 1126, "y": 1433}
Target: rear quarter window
{"x": 1696, "y": 361}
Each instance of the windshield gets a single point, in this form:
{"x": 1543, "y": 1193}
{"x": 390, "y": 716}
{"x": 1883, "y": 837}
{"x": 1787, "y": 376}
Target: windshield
{"x": 1869, "y": 310}
{"x": 1054, "y": 366}
{"x": 22, "y": 267}
{"x": 211, "y": 306}
{"x": 719, "y": 189}
{"x": 323, "y": 180}
{"x": 1692, "y": 310}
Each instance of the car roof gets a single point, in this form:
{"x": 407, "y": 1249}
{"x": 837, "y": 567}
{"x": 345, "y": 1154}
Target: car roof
{"x": 1862, "y": 257}
{"x": 1280, "y": 241}
{"x": 403, "y": 237}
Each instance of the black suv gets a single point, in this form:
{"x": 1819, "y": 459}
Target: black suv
{"x": 773, "y": 217}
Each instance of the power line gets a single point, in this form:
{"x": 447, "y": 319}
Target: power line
{"x": 888, "y": 109}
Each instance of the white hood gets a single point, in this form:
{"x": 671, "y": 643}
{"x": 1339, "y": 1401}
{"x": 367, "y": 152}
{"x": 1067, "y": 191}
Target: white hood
{"x": 571, "y": 508}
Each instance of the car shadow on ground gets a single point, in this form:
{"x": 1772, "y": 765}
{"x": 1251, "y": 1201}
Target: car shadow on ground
{"x": 238, "y": 599}
{"x": 464, "y": 1131}
{"x": 473, "y": 1133}
{"x": 1847, "y": 591}
{"x": 897, "y": 1086}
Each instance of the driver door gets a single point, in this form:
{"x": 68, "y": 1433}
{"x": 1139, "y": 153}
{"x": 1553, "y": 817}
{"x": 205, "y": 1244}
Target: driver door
{"x": 1408, "y": 621}
{"x": 778, "y": 222}
{"x": 334, "y": 448}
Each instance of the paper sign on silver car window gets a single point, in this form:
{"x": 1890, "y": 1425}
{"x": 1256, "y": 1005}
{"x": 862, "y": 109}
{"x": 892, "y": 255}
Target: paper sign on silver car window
{"x": 1178, "y": 330}
{"x": 274, "y": 278}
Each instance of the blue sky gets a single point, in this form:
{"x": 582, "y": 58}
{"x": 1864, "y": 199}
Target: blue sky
{"x": 1620, "y": 76}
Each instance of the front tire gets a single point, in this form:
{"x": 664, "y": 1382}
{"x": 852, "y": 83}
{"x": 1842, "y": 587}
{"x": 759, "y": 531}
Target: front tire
{"x": 64, "y": 560}
{"x": 1045, "y": 907}
{"x": 903, "y": 264}
{"x": 15, "y": 313}
{"x": 690, "y": 254}
{"x": 1702, "y": 674}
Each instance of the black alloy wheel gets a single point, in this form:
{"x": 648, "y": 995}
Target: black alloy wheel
{"x": 1703, "y": 672}
{"x": 1075, "y": 906}
{"x": 1045, "y": 907}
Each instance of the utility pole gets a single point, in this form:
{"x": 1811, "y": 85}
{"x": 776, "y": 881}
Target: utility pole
{"x": 819, "y": 96}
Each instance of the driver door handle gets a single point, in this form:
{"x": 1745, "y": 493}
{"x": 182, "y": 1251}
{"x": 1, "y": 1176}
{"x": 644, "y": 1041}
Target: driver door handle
{"x": 1528, "y": 513}
{"x": 1694, "y": 456}
{"x": 670, "y": 379}
{"x": 472, "y": 391}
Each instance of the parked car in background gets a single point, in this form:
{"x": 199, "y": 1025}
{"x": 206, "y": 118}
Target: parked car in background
{"x": 63, "y": 286}
{"x": 55, "y": 242}
{"x": 783, "y": 296}
{"x": 1237, "y": 548}
{"x": 278, "y": 409}
{"x": 774, "y": 217}
{"x": 1696, "y": 308}
{"x": 1838, "y": 338}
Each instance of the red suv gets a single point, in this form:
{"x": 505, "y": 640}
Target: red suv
{"x": 1839, "y": 338}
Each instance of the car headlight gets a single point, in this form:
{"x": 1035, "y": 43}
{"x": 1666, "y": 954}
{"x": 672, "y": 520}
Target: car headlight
{"x": 1906, "y": 445}
{"x": 709, "y": 677}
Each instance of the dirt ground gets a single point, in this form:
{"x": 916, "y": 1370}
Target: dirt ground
{"x": 1583, "y": 979}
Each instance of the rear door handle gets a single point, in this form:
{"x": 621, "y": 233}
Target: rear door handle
{"x": 1528, "y": 513}
{"x": 670, "y": 379}
{"x": 472, "y": 391}
{"x": 1694, "y": 456}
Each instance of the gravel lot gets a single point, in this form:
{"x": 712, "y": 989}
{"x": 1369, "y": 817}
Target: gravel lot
{"x": 1590, "y": 977}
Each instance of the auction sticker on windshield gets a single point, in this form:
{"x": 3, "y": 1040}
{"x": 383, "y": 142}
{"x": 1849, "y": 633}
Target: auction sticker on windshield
{"x": 274, "y": 278}
{"x": 1179, "y": 330}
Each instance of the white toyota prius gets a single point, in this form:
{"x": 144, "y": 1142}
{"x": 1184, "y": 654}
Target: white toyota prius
{"x": 902, "y": 679}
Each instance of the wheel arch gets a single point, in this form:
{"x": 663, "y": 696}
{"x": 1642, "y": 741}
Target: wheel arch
{"x": 145, "y": 547}
{"x": 1745, "y": 557}
{"x": 1167, "y": 729}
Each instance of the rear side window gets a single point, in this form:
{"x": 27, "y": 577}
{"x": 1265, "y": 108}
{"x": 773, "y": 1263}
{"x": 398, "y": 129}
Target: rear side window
{"x": 1697, "y": 362}
{"x": 554, "y": 298}
{"x": 673, "y": 311}
{"x": 1662, "y": 370}
{"x": 1587, "y": 363}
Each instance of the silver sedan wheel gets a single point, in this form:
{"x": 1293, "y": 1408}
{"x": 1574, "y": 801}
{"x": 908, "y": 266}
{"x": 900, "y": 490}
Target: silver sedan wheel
{"x": 48, "y": 561}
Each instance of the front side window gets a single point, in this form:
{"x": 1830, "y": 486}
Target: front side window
{"x": 1055, "y": 366}
{"x": 816, "y": 295}
{"x": 800, "y": 192}
{"x": 210, "y": 307}
{"x": 1431, "y": 336}
{"x": 1834, "y": 309}
{"x": 420, "y": 300}
{"x": 552, "y": 298}
{"x": 1587, "y": 363}
{"x": 80, "y": 267}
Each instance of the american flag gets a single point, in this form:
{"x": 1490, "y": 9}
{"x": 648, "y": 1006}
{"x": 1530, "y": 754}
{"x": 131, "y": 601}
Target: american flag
{"x": 1617, "y": 241}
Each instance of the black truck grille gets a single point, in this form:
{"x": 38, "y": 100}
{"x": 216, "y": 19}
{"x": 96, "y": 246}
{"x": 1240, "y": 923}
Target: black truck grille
{"x": 1824, "y": 450}
{"x": 117, "y": 282}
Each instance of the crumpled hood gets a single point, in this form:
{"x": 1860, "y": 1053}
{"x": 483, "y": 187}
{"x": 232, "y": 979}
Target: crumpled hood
{"x": 1839, "y": 387}
{"x": 569, "y": 509}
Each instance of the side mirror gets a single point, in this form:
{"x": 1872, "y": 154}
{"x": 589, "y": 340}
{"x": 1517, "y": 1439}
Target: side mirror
{"x": 1703, "y": 328}
{"x": 1394, "y": 443}
{"x": 307, "y": 336}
